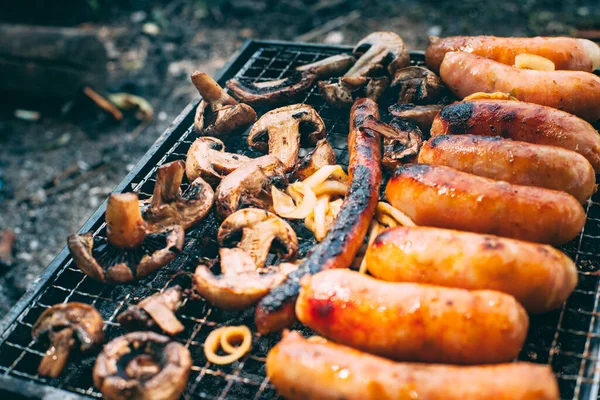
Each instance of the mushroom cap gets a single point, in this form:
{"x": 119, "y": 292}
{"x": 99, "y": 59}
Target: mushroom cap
{"x": 168, "y": 206}
{"x": 272, "y": 92}
{"x": 84, "y": 320}
{"x": 318, "y": 157}
{"x": 218, "y": 113}
{"x": 250, "y": 185}
{"x": 423, "y": 116}
{"x": 142, "y": 365}
{"x": 240, "y": 284}
{"x": 380, "y": 53}
{"x": 208, "y": 160}
{"x": 259, "y": 229}
{"x": 97, "y": 258}
{"x": 155, "y": 311}
{"x": 284, "y": 127}
{"x": 416, "y": 85}
{"x": 329, "y": 67}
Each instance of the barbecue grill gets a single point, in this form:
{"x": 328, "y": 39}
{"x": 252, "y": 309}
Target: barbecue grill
{"x": 568, "y": 338}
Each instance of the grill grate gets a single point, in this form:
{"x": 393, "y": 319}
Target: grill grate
{"x": 568, "y": 339}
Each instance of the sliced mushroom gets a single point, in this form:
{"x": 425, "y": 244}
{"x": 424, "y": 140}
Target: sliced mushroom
{"x": 157, "y": 310}
{"x": 208, "y": 160}
{"x": 381, "y": 54}
{"x": 259, "y": 230}
{"x": 129, "y": 251}
{"x": 218, "y": 113}
{"x": 64, "y": 326}
{"x": 423, "y": 116}
{"x": 330, "y": 66}
{"x": 240, "y": 284}
{"x": 250, "y": 185}
{"x": 416, "y": 85}
{"x": 144, "y": 366}
{"x": 280, "y": 131}
{"x": 318, "y": 157}
{"x": 168, "y": 206}
{"x": 272, "y": 92}
{"x": 402, "y": 141}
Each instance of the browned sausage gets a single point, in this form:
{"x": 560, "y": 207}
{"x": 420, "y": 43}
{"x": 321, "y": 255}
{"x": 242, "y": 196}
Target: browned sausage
{"x": 575, "y": 92}
{"x": 526, "y": 122}
{"x": 446, "y": 198}
{"x": 411, "y": 321}
{"x": 276, "y": 310}
{"x": 515, "y": 162}
{"x": 321, "y": 370}
{"x": 564, "y": 52}
{"x": 538, "y": 276}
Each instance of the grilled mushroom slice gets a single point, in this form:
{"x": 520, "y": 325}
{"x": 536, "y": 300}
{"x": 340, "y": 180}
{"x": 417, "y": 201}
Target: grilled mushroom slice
{"x": 144, "y": 366}
{"x": 318, "y": 157}
{"x": 157, "y": 310}
{"x": 416, "y": 85}
{"x": 168, "y": 206}
{"x": 280, "y": 130}
{"x": 208, "y": 160}
{"x": 330, "y": 66}
{"x": 129, "y": 251}
{"x": 259, "y": 229}
{"x": 402, "y": 141}
{"x": 218, "y": 113}
{"x": 423, "y": 116}
{"x": 381, "y": 54}
{"x": 250, "y": 185}
{"x": 272, "y": 92}
{"x": 64, "y": 326}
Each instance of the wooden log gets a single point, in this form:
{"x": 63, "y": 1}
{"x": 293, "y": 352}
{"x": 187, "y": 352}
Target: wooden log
{"x": 50, "y": 62}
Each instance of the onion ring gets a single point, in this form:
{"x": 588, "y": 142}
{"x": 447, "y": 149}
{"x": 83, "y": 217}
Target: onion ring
{"x": 334, "y": 171}
{"x": 220, "y": 337}
{"x": 384, "y": 208}
{"x": 330, "y": 188}
{"x": 303, "y": 196}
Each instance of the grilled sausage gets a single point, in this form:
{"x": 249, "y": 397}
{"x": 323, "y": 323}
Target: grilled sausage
{"x": 575, "y": 92}
{"x": 411, "y": 321}
{"x": 566, "y": 53}
{"x": 321, "y": 370}
{"x": 446, "y": 198}
{"x": 276, "y": 310}
{"x": 525, "y": 122}
{"x": 538, "y": 276}
{"x": 515, "y": 162}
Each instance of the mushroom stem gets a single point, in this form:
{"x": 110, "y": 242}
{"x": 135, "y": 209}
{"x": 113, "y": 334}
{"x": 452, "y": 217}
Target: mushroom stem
{"x": 168, "y": 182}
{"x": 56, "y": 356}
{"x": 125, "y": 225}
{"x": 210, "y": 90}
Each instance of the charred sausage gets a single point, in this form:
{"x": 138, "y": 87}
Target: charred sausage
{"x": 276, "y": 310}
{"x": 575, "y": 92}
{"x": 321, "y": 370}
{"x": 411, "y": 321}
{"x": 446, "y": 198}
{"x": 525, "y": 122}
{"x": 539, "y": 276}
{"x": 515, "y": 162}
{"x": 566, "y": 53}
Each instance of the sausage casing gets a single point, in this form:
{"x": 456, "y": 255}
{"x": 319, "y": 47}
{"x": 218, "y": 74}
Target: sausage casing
{"x": 566, "y": 53}
{"x": 412, "y": 322}
{"x": 575, "y": 92}
{"x": 515, "y": 162}
{"x": 275, "y": 311}
{"x": 321, "y": 370}
{"x": 525, "y": 122}
{"x": 539, "y": 276}
{"x": 446, "y": 198}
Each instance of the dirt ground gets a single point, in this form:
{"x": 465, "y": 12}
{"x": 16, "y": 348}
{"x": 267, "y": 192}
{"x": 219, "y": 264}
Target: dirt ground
{"x": 153, "y": 48}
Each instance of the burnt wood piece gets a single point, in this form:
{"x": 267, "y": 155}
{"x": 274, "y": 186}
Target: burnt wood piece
{"x": 50, "y": 62}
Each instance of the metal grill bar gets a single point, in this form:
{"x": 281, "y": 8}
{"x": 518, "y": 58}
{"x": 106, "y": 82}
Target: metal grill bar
{"x": 568, "y": 339}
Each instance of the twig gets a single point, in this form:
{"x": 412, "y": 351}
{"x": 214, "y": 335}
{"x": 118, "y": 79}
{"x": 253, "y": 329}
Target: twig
{"x": 103, "y": 103}
{"x": 7, "y": 240}
{"x": 591, "y": 34}
{"x": 138, "y": 129}
{"x": 329, "y": 26}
